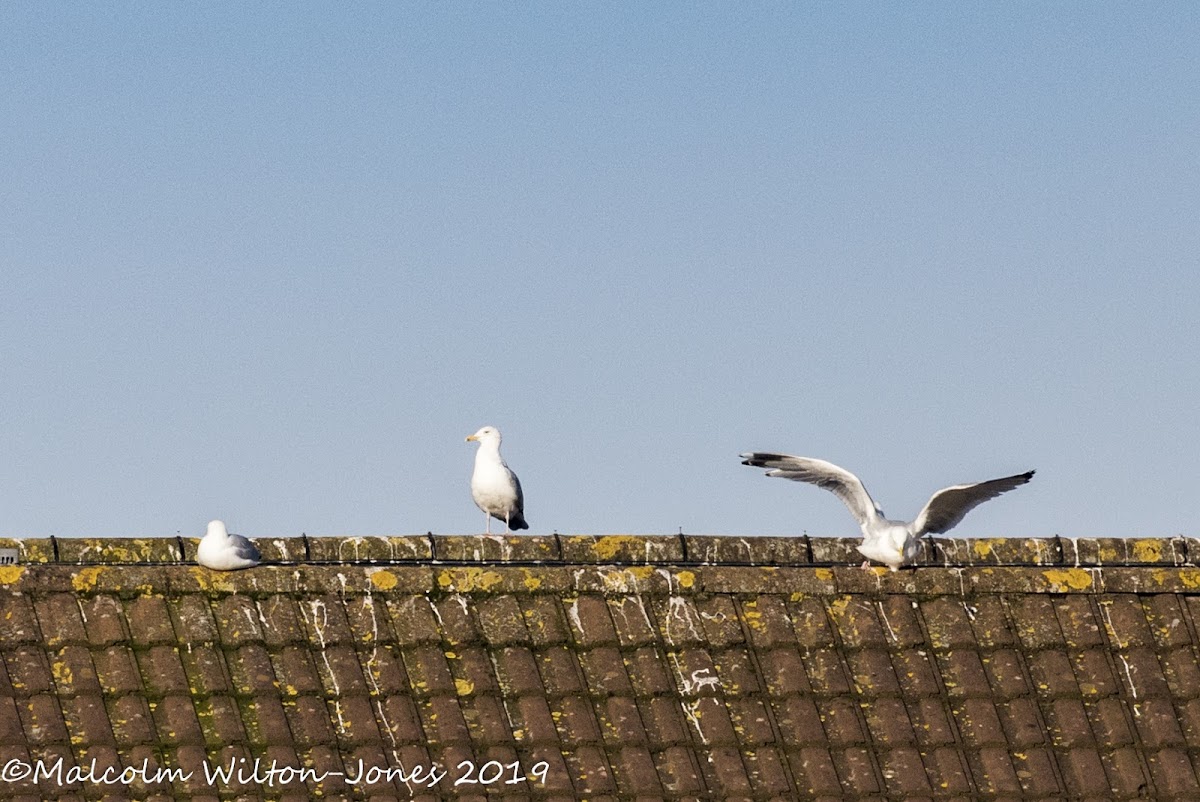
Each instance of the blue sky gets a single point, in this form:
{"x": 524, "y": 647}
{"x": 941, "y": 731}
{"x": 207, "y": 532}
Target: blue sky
{"x": 272, "y": 263}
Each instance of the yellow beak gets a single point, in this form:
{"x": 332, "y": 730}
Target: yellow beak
{"x": 470, "y": 437}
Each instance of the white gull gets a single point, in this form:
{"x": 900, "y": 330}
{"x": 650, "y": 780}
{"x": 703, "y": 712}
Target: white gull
{"x": 890, "y": 542}
{"x": 222, "y": 551}
{"x": 496, "y": 489}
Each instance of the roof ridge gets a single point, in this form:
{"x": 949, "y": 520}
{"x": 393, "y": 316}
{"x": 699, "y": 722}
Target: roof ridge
{"x": 616, "y": 549}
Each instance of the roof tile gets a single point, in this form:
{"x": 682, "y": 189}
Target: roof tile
{"x": 1022, "y": 722}
{"x": 678, "y": 771}
{"x": 1036, "y": 621}
{"x": 412, "y": 619}
{"x": 453, "y": 614}
{"x": 799, "y": 722}
{"x": 665, "y": 721}
{"x": 751, "y": 721}
{"x": 621, "y": 549}
{"x": 265, "y": 721}
{"x": 407, "y": 548}
{"x": 60, "y": 620}
{"x": 73, "y": 671}
{"x": 1158, "y": 724}
{"x": 1110, "y": 721}
{"x": 931, "y": 722}
{"x": 1035, "y": 772}
{"x": 1126, "y": 773}
{"x": 575, "y": 720}
{"x": 501, "y": 620}
{"x": 1084, "y": 773}
{"x": 131, "y": 720}
{"x": 826, "y": 672}
{"x": 840, "y": 717}
{"x": 783, "y": 672}
{"x": 545, "y": 620}
{"x": 1167, "y": 617}
{"x": 729, "y": 770}
{"x": 904, "y": 772}
{"x": 588, "y": 767}
{"x": 738, "y": 672}
{"x": 176, "y": 721}
{"x": 220, "y": 720}
{"x": 1005, "y": 674}
{"x": 149, "y": 621}
{"x": 43, "y": 720}
{"x": 355, "y": 717}
{"x": 18, "y": 622}
{"x": 1051, "y": 673}
{"x": 87, "y": 720}
{"x": 162, "y": 671}
{"x": 603, "y": 667}
{"x": 768, "y": 621}
{"x": 1174, "y": 774}
{"x": 472, "y": 670}
{"x": 1068, "y": 723}
{"x": 591, "y": 623}
{"x": 993, "y": 770}
{"x": 872, "y": 673}
{"x": 979, "y": 723}
{"x": 28, "y": 670}
{"x": 888, "y": 722}
{"x": 105, "y": 619}
{"x": 963, "y": 674}
{"x": 561, "y": 670}
{"x": 487, "y": 720}
{"x": 620, "y": 720}
{"x": 428, "y": 670}
{"x": 1094, "y": 674}
{"x": 857, "y": 770}
{"x": 251, "y": 671}
{"x": 679, "y": 621}
{"x": 649, "y": 672}
{"x": 948, "y": 621}
{"x": 531, "y": 720}
{"x": 326, "y": 622}
{"x": 1181, "y": 671}
{"x": 815, "y": 774}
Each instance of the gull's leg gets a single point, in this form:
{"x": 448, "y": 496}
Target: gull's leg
{"x": 487, "y": 523}
{"x": 866, "y": 566}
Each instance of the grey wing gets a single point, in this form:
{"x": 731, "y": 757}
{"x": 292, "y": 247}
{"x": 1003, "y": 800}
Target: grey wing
{"x": 244, "y": 548}
{"x": 839, "y": 481}
{"x": 948, "y": 507}
{"x": 520, "y": 502}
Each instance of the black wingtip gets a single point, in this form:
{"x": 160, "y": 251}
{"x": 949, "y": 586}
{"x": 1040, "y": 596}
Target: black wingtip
{"x": 517, "y": 524}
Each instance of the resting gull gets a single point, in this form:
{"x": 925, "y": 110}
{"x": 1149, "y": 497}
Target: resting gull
{"x": 222, "y": 551}
{"x": 890, "y": 542}
{"x": 495, "y": 488}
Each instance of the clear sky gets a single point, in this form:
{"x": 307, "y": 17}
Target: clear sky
{"x": 273, "y": 262}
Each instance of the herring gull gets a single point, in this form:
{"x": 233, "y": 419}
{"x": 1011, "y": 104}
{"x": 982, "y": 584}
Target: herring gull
{"x": 222, "y": 551}
{"x": 890, "y": 542}
{"x": 496, "y": 489}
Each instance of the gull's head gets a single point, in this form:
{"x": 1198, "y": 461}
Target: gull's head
{"x": 216, "y": 529}
{"x": 488, "y": 434}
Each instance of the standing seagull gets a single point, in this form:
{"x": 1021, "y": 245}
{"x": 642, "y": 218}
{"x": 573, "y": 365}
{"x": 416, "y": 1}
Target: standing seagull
{"x": 495, "y": 488}
{"x": 222, "y": 551}
{"x": 889, "y": 542}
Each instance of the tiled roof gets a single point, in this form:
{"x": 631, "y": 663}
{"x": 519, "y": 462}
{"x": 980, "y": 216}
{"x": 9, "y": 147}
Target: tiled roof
{"x": 619, "y": 667}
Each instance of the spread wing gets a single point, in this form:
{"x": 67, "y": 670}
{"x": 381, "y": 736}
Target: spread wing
{"x": 839, "y": 481}
{"x": 948, "y": 507}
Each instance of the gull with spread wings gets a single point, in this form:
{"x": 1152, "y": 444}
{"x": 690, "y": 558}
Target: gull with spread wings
{"x": 890, "y": 542}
